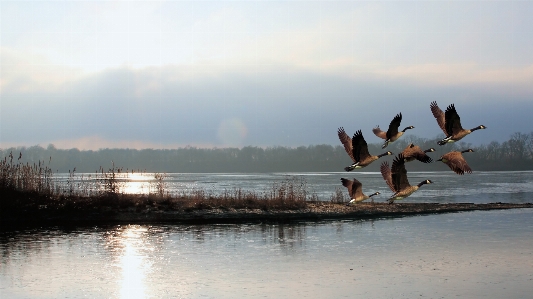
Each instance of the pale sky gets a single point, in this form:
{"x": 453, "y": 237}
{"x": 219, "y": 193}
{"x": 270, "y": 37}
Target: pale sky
{"x": 167, "y": 74}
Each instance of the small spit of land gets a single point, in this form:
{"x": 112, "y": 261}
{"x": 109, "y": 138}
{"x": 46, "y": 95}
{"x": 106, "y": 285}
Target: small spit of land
{"x": 315, "y": 211}
{"x": 33, "y": 209}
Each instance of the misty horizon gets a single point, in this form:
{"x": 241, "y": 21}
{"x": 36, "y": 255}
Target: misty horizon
{"x": 513, "y": 154}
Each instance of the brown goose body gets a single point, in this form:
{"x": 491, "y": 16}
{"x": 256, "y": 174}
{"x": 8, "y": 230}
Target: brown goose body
{"x": 396, "y": 179}
{"x": 450, "y": 123}
{"x": 392, "y": 133}
{"x": 414, "y": 152}
{"x": 357, "y": 149}
{"x": 456, "y": 161}
{"x": 355, "y": 190}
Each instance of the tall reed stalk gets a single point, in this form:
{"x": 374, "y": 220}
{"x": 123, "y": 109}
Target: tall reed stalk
{"x": 105, "y": 189}
{"x": 25, "y": 177}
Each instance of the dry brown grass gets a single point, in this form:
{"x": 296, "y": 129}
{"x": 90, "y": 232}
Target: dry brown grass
{"x": 33, "y": 187}
{"x": 31, "y": 178}
{"x": 339, "y": 196}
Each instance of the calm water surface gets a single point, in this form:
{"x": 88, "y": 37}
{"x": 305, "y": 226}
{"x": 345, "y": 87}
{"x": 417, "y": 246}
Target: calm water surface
{"x": 487, "y": 254}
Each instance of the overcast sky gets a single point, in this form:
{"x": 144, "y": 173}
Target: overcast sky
{"x": 167, "y": 74}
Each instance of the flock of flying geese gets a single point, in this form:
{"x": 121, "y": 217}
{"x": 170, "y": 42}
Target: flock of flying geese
{"x": 396, "y": 176}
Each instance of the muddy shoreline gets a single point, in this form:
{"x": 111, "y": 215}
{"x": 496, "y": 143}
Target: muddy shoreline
{"x": 313, "y": 212}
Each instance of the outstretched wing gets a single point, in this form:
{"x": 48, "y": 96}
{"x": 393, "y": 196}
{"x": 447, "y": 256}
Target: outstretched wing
{"x": 423, "y": 157}
{"x": 346, "y": 141}
{"x": 348, "y": 184}
{"x": 394, "y": 125}
{"x": 378, "y": 132}
{"x": 457, "y": 163}
{"x": 453, "y": 121}
{"x": 360, "y": 148}
{"x": 386, "y": 173}
{"x": 399, "y": 173}
{"x": 439, "y": 116}
{"x": 357, "y": 189}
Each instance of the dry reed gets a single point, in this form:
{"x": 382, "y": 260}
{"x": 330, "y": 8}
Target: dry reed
{"x": 33, "y": 187}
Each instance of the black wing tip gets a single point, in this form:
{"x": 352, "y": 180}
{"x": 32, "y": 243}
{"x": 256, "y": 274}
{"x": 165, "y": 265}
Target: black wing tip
{"x": 400, "y": 159}
{"x": 358, "y": 135}
{"x": 398, "y": 116}
{"x": 451, "y": 107}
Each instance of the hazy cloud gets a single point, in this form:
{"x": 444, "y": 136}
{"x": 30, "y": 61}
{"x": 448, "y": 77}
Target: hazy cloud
{"x": 217, "y": 73}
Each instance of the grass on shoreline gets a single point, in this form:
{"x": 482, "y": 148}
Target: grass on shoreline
{"x": 29, "y": 188}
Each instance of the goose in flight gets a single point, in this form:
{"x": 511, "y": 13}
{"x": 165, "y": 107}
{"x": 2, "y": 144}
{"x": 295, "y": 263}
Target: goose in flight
{"x": 456, "y": 161}
{"x": 414, "y": 152}
{"x": 392, "y": 133}
{"x": 396, "y": 179}
{"x": 355, "y": 189}
{"x": 357, "y": 149}
{"x": 450, "y": 123}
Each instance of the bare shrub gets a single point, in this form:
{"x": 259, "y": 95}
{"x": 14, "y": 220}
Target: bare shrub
{"x": 338, "y": 196}
{"x": 159, "y": 184}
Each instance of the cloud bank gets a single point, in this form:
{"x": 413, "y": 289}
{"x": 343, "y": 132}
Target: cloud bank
{"x": 167, "y": 74}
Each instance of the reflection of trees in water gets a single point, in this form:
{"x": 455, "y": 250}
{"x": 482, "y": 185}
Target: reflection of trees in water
{"x": 155, "y": 237}
{"x": 25, "y": 243}
{"x": 341, "y": 225}
{"x": 282, "y": 234}
{"x": 287, "y": 234}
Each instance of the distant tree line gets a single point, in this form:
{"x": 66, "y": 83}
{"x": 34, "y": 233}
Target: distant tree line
{"x": 513, "y": 154}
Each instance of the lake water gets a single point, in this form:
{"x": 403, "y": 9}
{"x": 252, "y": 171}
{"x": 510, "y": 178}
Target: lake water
{"x": 479, "y": 187}
{"x": 482, "y": 254}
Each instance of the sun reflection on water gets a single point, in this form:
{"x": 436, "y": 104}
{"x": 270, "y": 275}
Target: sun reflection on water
{"x": 134, "y": 263}
{"x": 137, "y": 183}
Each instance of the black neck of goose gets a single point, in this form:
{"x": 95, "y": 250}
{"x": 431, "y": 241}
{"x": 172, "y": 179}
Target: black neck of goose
{"x": 468, "y": 151}
{"x": 383, "y": 155}
{"x": 422, "y": 183}
{"x": 477, "y": 128}
{"x": 376, "y": 193}
{"x": 407, "y": 128}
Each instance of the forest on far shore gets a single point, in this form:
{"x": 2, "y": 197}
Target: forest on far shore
{"x": 514, "y": 154}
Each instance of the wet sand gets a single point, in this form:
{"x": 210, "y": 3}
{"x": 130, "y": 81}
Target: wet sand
{"x": 314, "y": 211}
